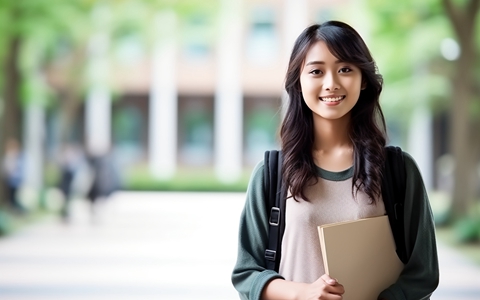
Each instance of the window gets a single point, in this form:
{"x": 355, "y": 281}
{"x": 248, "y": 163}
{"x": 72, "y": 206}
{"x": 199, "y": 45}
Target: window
{"x": 128, "y": 48}
{"x": 261, "y": 121}
{"x": 195, "y": 130}
{"x": 197, "y": 43}
{"x": 262, "y": 37}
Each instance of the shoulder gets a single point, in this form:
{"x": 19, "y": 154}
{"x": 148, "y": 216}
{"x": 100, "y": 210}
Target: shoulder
{"x": 414, "y": 178}
{"x": 255, "y": 210}
{"x": 408, "y": 160}
{"x": 259, "y": 167}
{"x": 257, "y": 177}
{"x": 410, "y": 163}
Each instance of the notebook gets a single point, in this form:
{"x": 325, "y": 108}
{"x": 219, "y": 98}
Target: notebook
{"x": 361, "y": 255}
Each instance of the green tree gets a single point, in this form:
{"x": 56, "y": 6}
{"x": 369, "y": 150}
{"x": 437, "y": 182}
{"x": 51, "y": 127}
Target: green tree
{"x": 407, "y": 36}
{"x": 29, "y": 29}
{"x": 50, "y": 38}
{"x": 465, "y": 141}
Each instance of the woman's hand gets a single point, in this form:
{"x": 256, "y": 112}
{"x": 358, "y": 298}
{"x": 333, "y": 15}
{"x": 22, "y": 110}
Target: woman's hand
{"x": 325, "y": 288}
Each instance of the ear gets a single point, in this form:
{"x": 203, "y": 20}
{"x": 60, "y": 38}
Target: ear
{"x": 364, "y": 85}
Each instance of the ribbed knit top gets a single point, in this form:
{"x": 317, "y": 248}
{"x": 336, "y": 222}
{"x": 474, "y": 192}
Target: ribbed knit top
{"x": 331, "y": 201}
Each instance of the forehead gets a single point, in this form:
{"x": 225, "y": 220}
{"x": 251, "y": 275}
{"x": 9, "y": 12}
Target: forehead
{"x": 319, "y": 52}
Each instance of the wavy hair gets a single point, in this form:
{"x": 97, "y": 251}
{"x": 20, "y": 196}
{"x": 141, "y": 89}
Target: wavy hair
{"x": 367, "y": 129}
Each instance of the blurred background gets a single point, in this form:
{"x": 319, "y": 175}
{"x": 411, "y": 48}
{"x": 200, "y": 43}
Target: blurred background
{"x": 98, "y": 97}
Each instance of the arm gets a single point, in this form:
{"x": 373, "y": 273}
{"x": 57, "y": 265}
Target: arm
{"x": 420, "y": 276}
{"x": 250, "y": 274}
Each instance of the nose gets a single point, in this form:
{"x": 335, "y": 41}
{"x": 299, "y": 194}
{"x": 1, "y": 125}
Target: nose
{"x": 330, "y": 82}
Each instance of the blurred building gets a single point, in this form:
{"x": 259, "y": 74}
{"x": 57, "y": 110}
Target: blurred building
{"x": 207, "y": 94}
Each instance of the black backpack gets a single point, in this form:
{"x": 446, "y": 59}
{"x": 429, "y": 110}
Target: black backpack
{"x": 393, "y": 193}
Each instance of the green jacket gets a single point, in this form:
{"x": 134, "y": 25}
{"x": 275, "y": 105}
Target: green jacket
{"x": 417, "y": 281}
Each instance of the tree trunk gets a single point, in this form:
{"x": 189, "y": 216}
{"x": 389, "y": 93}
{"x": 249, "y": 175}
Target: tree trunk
{"x": 68, "y": 111}
{"x": 462, "y": 192}
{"x": 12, "y": 113}
{"x": 463, "y": 23}
{"x": 474, "y": 137}
{"x": 71, "y": 95}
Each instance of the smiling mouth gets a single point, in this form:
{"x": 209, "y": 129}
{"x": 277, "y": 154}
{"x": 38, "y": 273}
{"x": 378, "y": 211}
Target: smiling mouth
{"x": 332, "y": 99}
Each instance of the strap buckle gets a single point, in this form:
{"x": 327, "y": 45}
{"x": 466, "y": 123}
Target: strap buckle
{"x": 274, "y": 216}
{"x": 270, "y": 254}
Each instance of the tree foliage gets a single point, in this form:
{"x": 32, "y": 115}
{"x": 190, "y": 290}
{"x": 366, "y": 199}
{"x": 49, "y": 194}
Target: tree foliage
{"x": 406, "y": 41}
{"x": 44, "y": 37}
{"x": 408, "y": 37}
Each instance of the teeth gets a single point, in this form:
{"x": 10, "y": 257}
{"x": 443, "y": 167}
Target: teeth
{"x": 334, "y": 99}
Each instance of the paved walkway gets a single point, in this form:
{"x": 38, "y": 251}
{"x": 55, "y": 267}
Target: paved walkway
{"x": 152, "y": 246}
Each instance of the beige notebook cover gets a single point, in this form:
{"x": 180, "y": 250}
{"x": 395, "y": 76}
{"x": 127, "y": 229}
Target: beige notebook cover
{"x": 360, "y": 255}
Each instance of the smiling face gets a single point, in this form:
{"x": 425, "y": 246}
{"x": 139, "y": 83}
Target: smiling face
{"x": 330, "y": 87}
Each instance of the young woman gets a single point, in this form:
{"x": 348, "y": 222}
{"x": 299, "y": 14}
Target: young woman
{"x": 333, "y": 138}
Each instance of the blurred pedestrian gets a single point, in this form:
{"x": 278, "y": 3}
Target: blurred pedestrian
{"x": 71, "y": 159}
{"x": 13, "y": 173}
{"x": 105, "y": 180}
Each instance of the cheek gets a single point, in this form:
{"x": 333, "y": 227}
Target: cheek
{"x": 307, "y": 86}
{"x": 359, "y": 83}
{"x": 303, "y": 84}
{"x": 354, "y": 85}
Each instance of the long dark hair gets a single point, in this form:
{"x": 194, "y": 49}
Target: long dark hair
{"x": 367, "y": 125}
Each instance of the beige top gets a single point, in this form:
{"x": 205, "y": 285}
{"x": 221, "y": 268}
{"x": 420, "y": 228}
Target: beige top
{"x": 331, "y": 201}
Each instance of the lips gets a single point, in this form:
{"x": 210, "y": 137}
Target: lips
{"x": 332, "y": 98}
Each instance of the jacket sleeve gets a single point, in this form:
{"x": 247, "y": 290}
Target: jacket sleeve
{"x": 420, "y": 275}
{"x": 250, "y": 275}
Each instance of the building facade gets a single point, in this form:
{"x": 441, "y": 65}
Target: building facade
{"x": 207, "y": 94}
{"x": 223, "y": 94}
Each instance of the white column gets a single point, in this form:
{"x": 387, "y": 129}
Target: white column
{"x": 420, "y": 136}
{"x": 420, "y": 143}
{"x": 33, "y": 144}
{"x": 228, "y": 95}
{"x": 296, "y": 20}
{"x": 98, "y": 120}
{"x": 98, "y": 102}
{"x": 163, "y": 99}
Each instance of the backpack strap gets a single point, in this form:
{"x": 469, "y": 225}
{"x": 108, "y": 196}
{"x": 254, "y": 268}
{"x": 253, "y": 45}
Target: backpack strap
{"x": 393, "y": 193}
{"x": 275, "y": 200}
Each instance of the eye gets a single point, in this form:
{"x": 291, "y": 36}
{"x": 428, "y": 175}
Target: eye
{"x": 315, "y": 72}
{"x": 345, "y": 70}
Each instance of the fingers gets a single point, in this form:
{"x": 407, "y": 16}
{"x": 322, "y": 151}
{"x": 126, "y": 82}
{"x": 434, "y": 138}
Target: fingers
{"x": 329, "y": 280}
{"x": 332, "y": 285}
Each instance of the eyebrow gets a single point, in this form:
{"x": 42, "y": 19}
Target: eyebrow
{"x": 317, "y": 62}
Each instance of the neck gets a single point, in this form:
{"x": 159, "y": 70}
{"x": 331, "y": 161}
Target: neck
{"x": 332, "y": 146}
{"x": 330, "y": 134}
